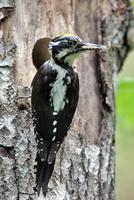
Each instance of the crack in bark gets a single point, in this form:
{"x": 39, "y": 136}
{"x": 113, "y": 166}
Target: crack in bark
{"x": 3, "y": 192}
{"x": 99, "y": 176}
{"x": 16, "y": 178}
{"x": 86, "y": 173}
{"x": 61, "y": 158}
{"x": 110, "y": 167}
{"x": 105, "y": 107}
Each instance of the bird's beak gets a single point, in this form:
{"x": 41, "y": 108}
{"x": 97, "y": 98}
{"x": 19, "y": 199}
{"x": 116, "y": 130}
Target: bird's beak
{"x": 83, "y": 46}
{"x": 90, "y": 46}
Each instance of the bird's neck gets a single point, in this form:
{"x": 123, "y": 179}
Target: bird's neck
{"x": 60, "y": 64}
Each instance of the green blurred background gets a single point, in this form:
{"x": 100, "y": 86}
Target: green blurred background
{"x": 125, "y": 131}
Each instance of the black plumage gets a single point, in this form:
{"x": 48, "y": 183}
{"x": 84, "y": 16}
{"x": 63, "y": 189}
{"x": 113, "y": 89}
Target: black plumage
{"x": 55, "y": 91}
{"x": 43, "y": 119}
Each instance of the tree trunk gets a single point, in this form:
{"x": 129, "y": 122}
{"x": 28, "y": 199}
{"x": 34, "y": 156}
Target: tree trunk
{"x": 85, "y": 164}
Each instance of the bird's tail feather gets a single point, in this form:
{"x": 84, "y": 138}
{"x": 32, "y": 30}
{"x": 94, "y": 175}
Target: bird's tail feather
{"x": 47, "y": 175}
{"x": 43, "y": 174}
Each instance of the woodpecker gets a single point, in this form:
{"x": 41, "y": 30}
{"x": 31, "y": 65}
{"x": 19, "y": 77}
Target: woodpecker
{"x": 55, "y": 92}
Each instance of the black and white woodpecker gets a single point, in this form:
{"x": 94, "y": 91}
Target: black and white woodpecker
{"x": 55, "y": 92}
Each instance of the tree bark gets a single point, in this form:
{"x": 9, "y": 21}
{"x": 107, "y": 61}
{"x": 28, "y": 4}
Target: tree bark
{"x": 85, "y": 165}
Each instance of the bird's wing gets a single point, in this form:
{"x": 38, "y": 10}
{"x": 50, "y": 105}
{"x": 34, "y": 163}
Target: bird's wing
{"x": 50, "y": 129}
{"x": 43, "y": 112}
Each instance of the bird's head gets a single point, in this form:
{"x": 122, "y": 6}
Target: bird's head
{"x": 66, "y": 48}
{"x": 63, "y": 49}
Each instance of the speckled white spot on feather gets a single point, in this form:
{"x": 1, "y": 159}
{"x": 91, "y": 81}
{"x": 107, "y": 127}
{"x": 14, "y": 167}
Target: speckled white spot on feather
{"x": 54, "y": 137}
{"x": 67, "y": 101}
{"x": 54, "y": 122}
{"x": 54, "y": 113}
{"x": 54, "y": 130}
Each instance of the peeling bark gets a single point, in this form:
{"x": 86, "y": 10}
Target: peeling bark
{"x": 85, "y": 164}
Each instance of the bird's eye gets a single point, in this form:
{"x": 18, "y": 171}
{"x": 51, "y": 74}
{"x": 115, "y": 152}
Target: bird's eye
{"x": 70, "y": 43}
